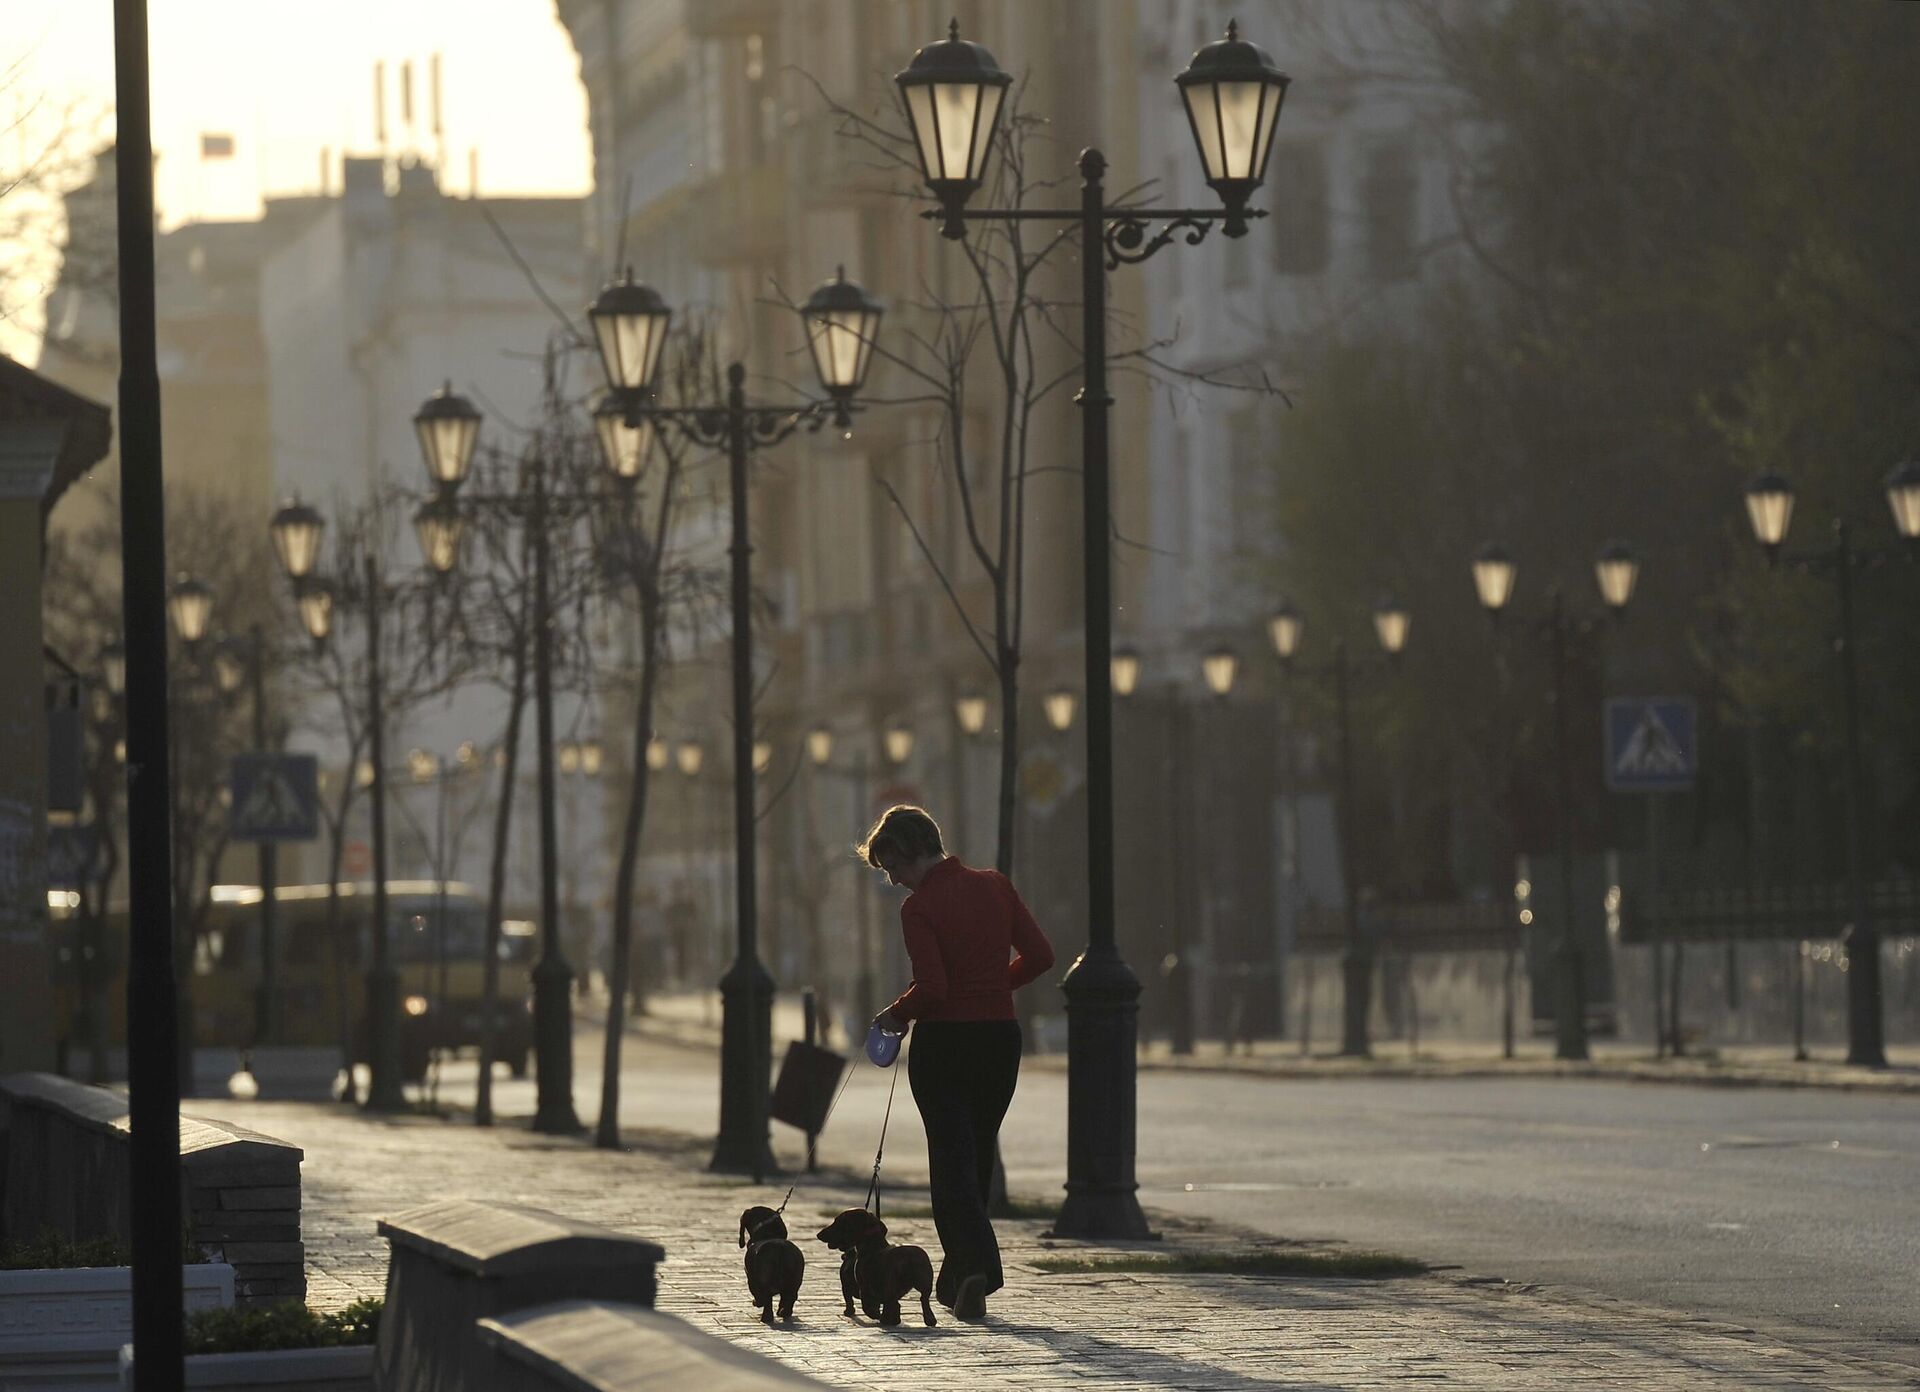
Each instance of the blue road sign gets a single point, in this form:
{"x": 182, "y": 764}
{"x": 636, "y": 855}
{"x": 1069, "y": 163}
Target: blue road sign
{"x": 1651, "y": 744}
{"x": 73, "y": 855}
{"x": 276, "y": 797}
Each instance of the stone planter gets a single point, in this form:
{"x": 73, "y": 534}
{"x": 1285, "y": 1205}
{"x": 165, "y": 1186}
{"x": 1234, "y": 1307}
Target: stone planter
{"x": 64, "y": 1328}
{"x": 275, "y": 1370}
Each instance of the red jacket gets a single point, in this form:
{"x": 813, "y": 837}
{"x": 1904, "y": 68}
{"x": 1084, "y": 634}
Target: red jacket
{"x": 960, "y": 925}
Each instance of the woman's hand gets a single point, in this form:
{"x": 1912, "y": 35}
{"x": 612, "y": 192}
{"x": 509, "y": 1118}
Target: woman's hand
{"x": 890, "y": 1022}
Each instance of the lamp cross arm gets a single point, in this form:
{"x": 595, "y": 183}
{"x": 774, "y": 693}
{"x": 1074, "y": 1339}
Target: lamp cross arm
{"x": 710, "y": 427}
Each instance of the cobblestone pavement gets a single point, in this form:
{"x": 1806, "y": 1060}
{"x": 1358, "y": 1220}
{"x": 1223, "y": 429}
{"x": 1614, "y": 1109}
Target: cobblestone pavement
{"x": 1045, "y": 1330}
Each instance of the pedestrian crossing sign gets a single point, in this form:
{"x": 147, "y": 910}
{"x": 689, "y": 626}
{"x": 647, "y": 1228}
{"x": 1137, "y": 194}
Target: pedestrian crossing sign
{"x": 276, "y": 797}
{"x": 1651, "y": 744}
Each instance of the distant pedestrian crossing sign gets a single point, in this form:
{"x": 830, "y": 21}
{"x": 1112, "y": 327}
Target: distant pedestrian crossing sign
{"x": 1651, "y": 744}
{"x": 276, "y": 797}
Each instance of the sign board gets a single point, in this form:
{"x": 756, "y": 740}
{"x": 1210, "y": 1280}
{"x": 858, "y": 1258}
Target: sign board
{"x": 73, "y": 855}
{"x": 1652, "y": 744}
{"x": 809, "y": 1077}
{"x": 276, "y": 797}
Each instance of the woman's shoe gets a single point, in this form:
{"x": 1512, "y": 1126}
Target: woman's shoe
{"x": 971, "y": 1302}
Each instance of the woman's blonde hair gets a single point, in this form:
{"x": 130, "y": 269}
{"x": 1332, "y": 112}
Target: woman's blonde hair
{"x": 908, "y": 832}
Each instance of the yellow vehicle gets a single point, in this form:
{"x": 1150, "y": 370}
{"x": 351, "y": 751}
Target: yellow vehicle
{"x": 437, "y": 944}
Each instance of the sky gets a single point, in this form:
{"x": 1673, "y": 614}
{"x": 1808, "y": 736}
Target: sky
{"x": 286, "y": 82}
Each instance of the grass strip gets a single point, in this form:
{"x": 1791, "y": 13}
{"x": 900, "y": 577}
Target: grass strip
{"x": 1352, "y": 1266}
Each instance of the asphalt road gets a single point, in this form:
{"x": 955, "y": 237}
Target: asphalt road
{"x": 1794, "y": 1211}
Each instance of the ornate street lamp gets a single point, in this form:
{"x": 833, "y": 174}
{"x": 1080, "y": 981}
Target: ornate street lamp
{"x": 439, "y": 526}
{"x": 971, "y": 711}
{"x": 1126, "y": 671}
{"x": 899, "y": 743}
{"x": 953, "y": 92}
{"x": 191, "y": 605}
{"x": 1220, "y": 666}
{"x": 820, "y": 745}
{"x": 624, "y": 444}
{"x": 423, "y": 765}
{"x": 1903, "y": 496}
{"x": 297, "y": 530}
{"x": 1390, "y": 622}
{"x": 843, "y": 322}
{"x": 762, "y": 756}
{"x": 689, "y": 756}
{"x": 1616, "y": 570}
{"x": 449, "y": 427}
{"x": 1233, "y": 93}
{"x": 593, "y": 757}
{"x": 1770, "y": 510}
{"x": 630, "y": 323}
{"x": 659, "y": 754}
{"x": 1285, "y": 628}
{"x": 315, "y": 602}
{"x": 1059, "y": 704}
{"x": 1493, "y": 577}
{"x": 569, "y": 756}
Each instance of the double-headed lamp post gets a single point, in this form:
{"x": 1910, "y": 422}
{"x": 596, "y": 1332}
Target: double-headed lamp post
{"x": 1616, "y": 571}
{"x": 953, "y": 92}
{"x": 1286, "y": 629}
{"x": 630, "y": 323}
{"x": 1770, "y": 502}
{"x": 448, "y": 426}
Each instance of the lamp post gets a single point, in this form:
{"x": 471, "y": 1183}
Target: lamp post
{"x": 237, "y": 662}
{"x": 1286, "y": 627}
{"x": 820, "y": 747}
{"x": 630, "y": 323}
{"x": 1770, "y": 503}
{"x": 153, "y": 1085}
{"x": 448, "y": 427}
{"x": 1616, "y": 571}
{"x": 297, "y": 530}
{"x": 953, "y": 92}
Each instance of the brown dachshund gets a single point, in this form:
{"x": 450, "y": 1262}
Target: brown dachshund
{"x": 881, "y": 1273}
{"x": 775, "y": 1266}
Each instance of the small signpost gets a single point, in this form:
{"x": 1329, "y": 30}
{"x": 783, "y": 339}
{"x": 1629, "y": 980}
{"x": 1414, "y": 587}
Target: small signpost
{"x": 1651, "y": 744}
{"x": 276, "y": 797}
{"x": 1653, "y": 747}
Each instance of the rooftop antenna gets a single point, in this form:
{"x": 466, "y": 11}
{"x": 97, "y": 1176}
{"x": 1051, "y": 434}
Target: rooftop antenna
{"x": 406, "y": 105}
{"x": 439, "y": 129}
{"x": 380, "y": 106}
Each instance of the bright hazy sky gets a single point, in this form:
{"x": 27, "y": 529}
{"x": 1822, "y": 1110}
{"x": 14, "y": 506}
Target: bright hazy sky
{"x": 287, "y": 80}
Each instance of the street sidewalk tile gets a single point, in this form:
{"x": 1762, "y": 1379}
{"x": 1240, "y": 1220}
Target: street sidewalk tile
{"x": 1112, "y": 1330}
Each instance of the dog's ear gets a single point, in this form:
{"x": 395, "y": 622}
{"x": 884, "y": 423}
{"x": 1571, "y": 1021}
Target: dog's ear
{"x": 870, "y": 1226}
{"x": 743, "y": 1227}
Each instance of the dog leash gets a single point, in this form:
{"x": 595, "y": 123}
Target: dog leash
{"x": 873, "y": 1185}
{"x": 823, "y": 1126}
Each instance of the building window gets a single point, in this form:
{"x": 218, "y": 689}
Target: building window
{"x": 1297, "y": 196}
{"x": 1389, "y": 197}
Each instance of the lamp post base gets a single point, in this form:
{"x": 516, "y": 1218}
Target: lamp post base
{"x": 1103, "y": 1018}
{"x": 1357, "y": 1005}
{"x": 384, "y": 1091}
{"x": 746, "y": 1069}
{"x": 553, "y": 1046}
{"x": 1866, "y": 1047}
{"x": 1572, "y": 1037}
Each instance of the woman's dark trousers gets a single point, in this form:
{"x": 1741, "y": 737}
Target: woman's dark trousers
{"x": 962, "y": 1073}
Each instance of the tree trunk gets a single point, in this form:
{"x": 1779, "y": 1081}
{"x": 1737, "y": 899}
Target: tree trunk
{"x": 607, "y": 1133}
{"x": 497, "y": 888}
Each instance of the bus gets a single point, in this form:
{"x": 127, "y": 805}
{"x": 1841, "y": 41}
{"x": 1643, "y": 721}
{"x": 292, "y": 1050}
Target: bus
{"x": 437, "y": 944}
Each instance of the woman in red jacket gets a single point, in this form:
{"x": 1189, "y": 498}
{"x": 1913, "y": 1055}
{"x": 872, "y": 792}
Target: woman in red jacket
{"x": 961, "y": 925}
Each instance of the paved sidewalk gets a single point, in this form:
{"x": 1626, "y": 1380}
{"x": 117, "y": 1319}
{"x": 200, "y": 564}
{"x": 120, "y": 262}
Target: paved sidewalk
{"x": 693, "y": 1018}
{"x": 1114, "y": 1330}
